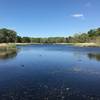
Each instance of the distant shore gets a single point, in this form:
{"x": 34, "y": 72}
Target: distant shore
{"x": 73, "y": 44}
{"x": 82, "y": 44}
{"x": 13, "y": 45}
{"x": 86, "y": 44}
{"x": 23, "y": 44}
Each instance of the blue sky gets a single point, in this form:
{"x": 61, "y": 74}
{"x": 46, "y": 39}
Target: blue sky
{"x": 44, "y": 18}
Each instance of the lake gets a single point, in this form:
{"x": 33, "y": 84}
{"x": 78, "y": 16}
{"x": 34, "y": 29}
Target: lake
{"x": 50, "y": 72}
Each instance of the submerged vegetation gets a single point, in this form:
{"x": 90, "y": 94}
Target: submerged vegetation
{"x": 91, "y": 38}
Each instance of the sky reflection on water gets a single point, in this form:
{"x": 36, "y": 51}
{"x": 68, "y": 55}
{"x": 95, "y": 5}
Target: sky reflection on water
{"x": 51, "y": 72}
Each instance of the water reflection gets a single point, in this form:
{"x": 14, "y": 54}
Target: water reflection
{"x": 95, "y": 56}
{"x": 9, "y": 53}
{"x": 50, "y": 72}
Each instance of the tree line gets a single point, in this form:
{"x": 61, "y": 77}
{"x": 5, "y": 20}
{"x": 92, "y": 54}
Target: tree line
{"x": 7, "y": 35}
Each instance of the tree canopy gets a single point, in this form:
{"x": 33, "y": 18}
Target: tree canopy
{"x": 7, "y": 35}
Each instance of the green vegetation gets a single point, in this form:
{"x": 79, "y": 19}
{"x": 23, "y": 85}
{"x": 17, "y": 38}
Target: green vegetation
{"x": 91, "y": 38}
{"x": 7, "y": 36}
{"x": 6, "y": 46}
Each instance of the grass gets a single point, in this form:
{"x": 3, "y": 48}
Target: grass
{"x": 86, "y": 44}
{"x": 7, "y": 46}
{"x": 7, "y": 50}
{"x": 73, "y": 44}
{"x": 13, "y": 45}
{"x": 25, "y": 44}
{"x": 82, "y": 44}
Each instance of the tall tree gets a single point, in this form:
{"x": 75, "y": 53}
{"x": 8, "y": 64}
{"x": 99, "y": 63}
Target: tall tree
{"x": 7, "y": 35}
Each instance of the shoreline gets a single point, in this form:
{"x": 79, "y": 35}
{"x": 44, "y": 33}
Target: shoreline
{"x": 7, "y": 46}
{"x": 73, "y": 44}
{"x": 13, "y": 45}
{"x": 86, "y": 44}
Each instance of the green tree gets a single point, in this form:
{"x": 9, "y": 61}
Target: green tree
{"x": 91, "y": 33}
{"x": 19, "y": 39}
{"x": 26, "y": 40}
{"x": 7, "y": 35}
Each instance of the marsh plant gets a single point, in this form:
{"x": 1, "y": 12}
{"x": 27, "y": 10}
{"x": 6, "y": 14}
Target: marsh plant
{"x": 8, "y": 51}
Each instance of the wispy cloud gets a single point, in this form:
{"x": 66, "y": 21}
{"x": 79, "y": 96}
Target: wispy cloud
{"x": 78, "y": 15}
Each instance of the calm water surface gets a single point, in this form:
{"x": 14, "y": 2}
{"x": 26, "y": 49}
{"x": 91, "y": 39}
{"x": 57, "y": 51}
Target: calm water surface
{"x": 50, "y": 72}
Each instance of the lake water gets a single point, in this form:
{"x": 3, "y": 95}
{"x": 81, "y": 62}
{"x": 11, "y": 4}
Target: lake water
{"x": 50, "y": 72}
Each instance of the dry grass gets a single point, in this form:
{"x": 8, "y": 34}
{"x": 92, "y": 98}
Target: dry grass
{"x": 3, "y": 45}
{"x": 7, "y": 45}
{"x": 87, "y": 44}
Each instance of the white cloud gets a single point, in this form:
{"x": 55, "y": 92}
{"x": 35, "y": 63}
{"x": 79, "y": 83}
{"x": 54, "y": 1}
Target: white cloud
{"x": 78, "y": 15}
